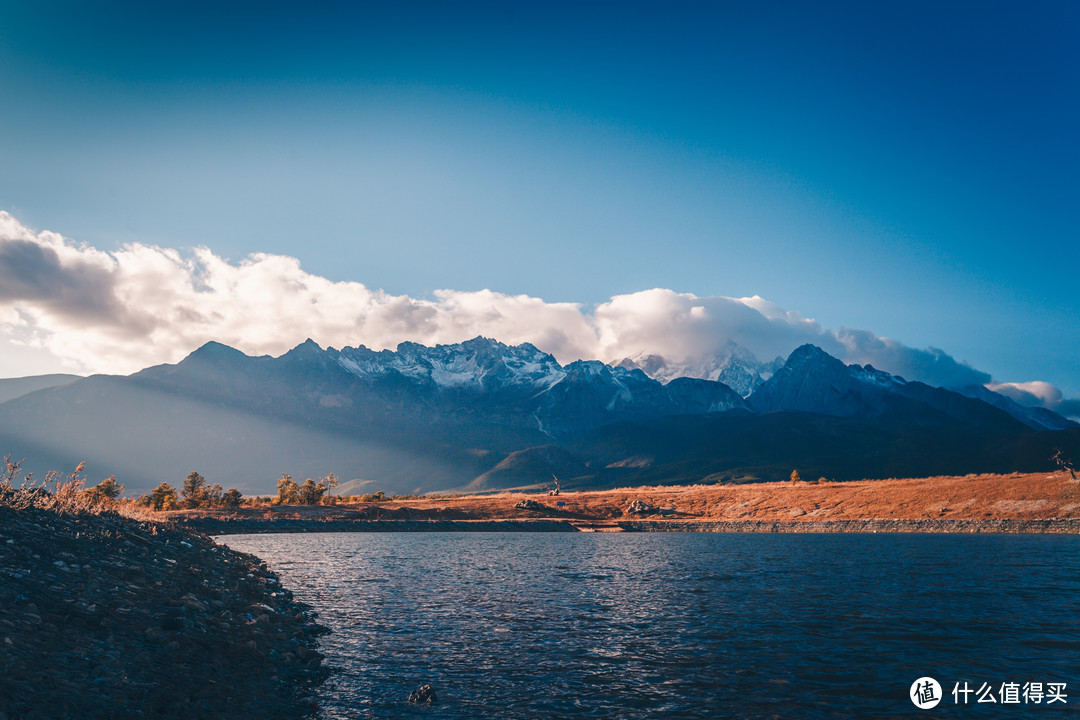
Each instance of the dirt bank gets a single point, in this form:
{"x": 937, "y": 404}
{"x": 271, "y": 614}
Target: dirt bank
{"x": 105, "y": 617}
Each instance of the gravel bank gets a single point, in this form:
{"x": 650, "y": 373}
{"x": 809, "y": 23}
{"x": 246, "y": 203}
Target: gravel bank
{"x": 107, "y": 617}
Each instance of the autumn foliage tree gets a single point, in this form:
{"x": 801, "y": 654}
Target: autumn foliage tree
{"x": 288, "y": 492}
{"x": 164, "y": 497}
{"x": 231, "y": 499}
{"x": 105, "y": 492}
{"x": 194, "y": 490}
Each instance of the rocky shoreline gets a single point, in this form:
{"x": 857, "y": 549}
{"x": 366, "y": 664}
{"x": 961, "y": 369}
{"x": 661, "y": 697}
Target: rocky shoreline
{"x": 237, "y": 526}
{"x": 106, "y": 616}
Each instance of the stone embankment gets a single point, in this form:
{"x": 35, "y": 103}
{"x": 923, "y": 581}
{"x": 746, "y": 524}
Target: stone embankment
{"x": 106, "y": 617}
{"x": 1013, "y": 526}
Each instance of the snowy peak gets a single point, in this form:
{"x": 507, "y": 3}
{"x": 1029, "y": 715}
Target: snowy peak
{"x": 478, "y": 364}
{"x": 811, "y": 358}
{"x": 735, "y": 366}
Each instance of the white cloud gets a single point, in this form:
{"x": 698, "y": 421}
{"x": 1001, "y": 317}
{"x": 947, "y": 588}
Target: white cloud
{"x": 1039, "y": 394}
{"x": 1031, "y": 394}
{"x": 681, "y": 326}
{"x": 932, "y": 366}
{"x": 142, "y": 305}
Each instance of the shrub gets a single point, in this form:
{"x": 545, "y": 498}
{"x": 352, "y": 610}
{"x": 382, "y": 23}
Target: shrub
{"x": 795, "y": 476}
{"x": 62, "y": 493}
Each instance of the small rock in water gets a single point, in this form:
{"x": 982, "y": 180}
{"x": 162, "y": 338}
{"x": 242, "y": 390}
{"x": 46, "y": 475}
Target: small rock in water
{"x": 422, "y": 695}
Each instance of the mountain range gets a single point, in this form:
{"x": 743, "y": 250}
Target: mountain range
{"x": 482, "y": 415}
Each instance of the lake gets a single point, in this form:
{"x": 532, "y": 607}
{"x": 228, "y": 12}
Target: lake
{"x": 681, "y": 625}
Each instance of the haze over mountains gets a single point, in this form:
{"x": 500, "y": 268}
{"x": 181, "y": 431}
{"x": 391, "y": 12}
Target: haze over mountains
{"x": 484, "y": 415}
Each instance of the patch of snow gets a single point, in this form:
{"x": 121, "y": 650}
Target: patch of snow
{"x": 734, "y": 365}
{"x": 870, "y": 374}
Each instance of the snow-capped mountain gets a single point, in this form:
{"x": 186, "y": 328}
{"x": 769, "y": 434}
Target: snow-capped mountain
{"x": 473, "y": 382}
{"x": 735, "y": 366}
{"x": 434, "y": 418}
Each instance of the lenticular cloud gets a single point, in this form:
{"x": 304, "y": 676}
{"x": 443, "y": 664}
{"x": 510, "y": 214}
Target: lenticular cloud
{"x": 142, "y": 305}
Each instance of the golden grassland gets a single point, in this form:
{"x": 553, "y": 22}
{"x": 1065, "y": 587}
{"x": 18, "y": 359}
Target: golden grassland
{"x": 1030, "y": 496}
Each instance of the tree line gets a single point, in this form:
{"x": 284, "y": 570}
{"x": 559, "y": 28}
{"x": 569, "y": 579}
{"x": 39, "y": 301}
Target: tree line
{"x": 196, "y": 493}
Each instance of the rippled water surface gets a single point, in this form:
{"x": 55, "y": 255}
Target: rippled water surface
{"x": 672, "y": 625}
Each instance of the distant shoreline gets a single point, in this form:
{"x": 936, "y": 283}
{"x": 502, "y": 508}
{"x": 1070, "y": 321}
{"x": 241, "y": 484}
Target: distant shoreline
{"x": 1032, "y": 503}
{"x": 213, "y": 526}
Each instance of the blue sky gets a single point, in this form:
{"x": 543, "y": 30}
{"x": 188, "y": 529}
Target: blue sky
{"x": 906, "y": 168}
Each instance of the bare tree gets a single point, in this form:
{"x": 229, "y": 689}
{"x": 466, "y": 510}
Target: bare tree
{"x": 1063, "y": 463}
{"x": 557, "y": 488}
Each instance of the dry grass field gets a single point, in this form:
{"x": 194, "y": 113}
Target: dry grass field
{"x": 1017, "y": 496}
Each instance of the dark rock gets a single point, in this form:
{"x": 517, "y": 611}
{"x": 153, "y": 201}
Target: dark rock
{"x": 640, "y": 507}
{"x": 423, "y": 695}
{"x": 147, "y": 628}
{"x": 530, "y": 505}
